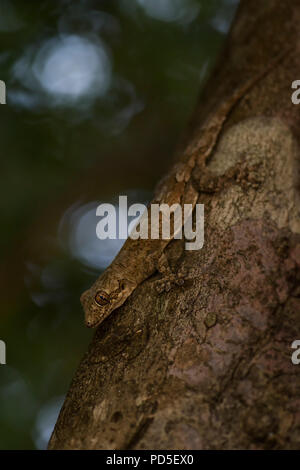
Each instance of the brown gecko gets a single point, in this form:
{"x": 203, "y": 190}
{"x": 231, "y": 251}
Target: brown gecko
{"x": 139, "y": 259}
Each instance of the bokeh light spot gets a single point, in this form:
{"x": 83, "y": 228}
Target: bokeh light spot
{"x": 72, "y": 66}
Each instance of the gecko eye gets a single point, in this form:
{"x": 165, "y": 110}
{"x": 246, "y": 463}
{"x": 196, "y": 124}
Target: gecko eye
{"x": 102, "y": 298}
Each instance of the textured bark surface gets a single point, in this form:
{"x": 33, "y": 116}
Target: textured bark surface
{"x": 208, "y": 365}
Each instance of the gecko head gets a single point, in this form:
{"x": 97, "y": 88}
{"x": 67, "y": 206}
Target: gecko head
{"x": 107, "y": 294}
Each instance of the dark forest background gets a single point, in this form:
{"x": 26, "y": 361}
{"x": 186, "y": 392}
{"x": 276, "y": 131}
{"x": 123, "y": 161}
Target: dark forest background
{"x": 98, "y": 93}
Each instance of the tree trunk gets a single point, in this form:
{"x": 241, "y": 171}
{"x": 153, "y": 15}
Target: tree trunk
{"x": 208, "y": 365}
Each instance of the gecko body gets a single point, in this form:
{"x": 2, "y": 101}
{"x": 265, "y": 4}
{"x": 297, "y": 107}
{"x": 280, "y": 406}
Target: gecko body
{"x": 139, "y": 259}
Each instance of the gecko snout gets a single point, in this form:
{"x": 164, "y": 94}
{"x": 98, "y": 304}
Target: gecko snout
{"x": 89, "y": 323}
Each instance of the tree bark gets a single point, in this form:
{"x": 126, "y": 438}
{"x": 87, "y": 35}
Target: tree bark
{"x": 208, "y": 365}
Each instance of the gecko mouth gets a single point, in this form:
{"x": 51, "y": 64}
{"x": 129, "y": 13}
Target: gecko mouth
{"x": 94, "y": 315}
{"x": 91, "y": 324}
